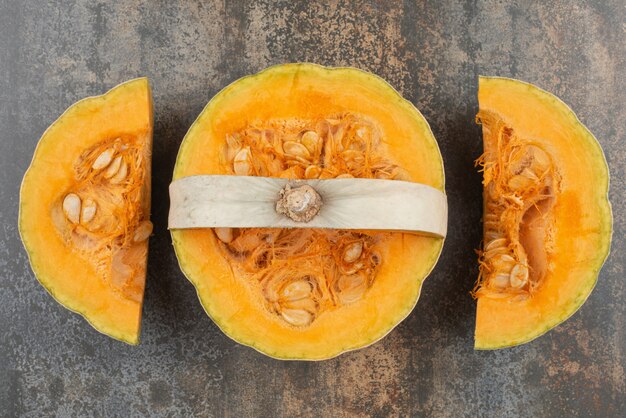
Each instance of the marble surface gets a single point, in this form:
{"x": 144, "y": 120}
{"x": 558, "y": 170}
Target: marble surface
{"x": 52, "y": 53}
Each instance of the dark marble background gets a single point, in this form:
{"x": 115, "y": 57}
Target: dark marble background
{"x": 53, "y": 53}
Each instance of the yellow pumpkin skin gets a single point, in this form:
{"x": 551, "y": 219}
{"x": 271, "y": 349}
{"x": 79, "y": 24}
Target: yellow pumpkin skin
{"x": 309, "y": 91}
{"x": 582, "y": 213}
{"x": 124, "y": 111}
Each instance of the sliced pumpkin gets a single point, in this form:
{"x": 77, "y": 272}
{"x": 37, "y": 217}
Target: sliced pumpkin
{"x": 547, "y": 218}
{"x": 307, "y": 293}
{"x": 85, "y": 208}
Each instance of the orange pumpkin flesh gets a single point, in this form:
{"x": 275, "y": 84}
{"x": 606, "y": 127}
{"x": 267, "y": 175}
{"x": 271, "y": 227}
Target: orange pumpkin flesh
{"x": 547, "y": 218}
{"x": 291, "y": 294}
{"x": 85, "y": 208}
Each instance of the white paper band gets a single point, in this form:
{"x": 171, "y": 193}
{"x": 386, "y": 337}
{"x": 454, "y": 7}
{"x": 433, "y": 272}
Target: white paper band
{"x": 210, "y": 201}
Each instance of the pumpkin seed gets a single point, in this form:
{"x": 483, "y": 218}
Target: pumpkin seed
{"x": 143, "y": 231}
{"x": 312, "y": 141}
{"x": 492, "y": 226}
{"x": 530, "y": 174}
{"x": 496, "y": 243}
{"x": 501, "y": 281}
{"x": 353, "y": 252}
{"x": 233, "y": 146}
{"x": 352, "y": 295}
{"x": 103, "y": 160}
{"x": 495, "y": 251}
{"x": 519, "y": 276}
{"x": 88, "y": 211}
{"x": 71, "y": 207}
{"x": 312, "y": 172}
{"x": 503, "y": 262}
{"x": 299, "y": 289}
{"x": 121, "y": 174}
{"x": 351, "y": 288}
{"x": 295, "y": 149}
{"x": 121, "y": 272}
{"x": 541, "y": 161}
{"x": 352, "y": 155}
{"x": 489, "y": 217}
{"x": 346, "y": 282}
{"x": 297, "y": 317}
{"x": 275, "y": 166}
{"x": 113, "y": 168}
{"x": 242, "y": 162}
{"x": 353, "y": 268}
{"x": 492, "y": 235}
{"x": 306, "y": 304}
{"x": 224, "y": 234}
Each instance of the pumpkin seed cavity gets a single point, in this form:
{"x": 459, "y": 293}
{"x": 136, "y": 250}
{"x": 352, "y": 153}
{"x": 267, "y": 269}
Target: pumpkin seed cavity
{"x": 521, "y": 183}
{"x": 301, "y": 273}
{"x": 103, "y": 217}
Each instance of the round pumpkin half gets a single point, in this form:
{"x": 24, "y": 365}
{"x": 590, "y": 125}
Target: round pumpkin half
{"x": 85, "y": 208}
{"x": 302, "y": 293}
{"x": 547, "y": 218}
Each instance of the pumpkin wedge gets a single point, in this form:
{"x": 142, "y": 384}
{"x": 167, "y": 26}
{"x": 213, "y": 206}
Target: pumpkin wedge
{"x": 547, "y": 218}
{"x": 85, "y": 208}
{"x": 289, "y": 291}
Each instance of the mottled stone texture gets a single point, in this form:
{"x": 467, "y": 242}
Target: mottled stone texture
{"x": 53, "y": 53}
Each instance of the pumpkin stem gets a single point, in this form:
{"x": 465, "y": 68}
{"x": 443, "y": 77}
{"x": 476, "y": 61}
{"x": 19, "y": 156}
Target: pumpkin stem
{"x": 300, "y": 204}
